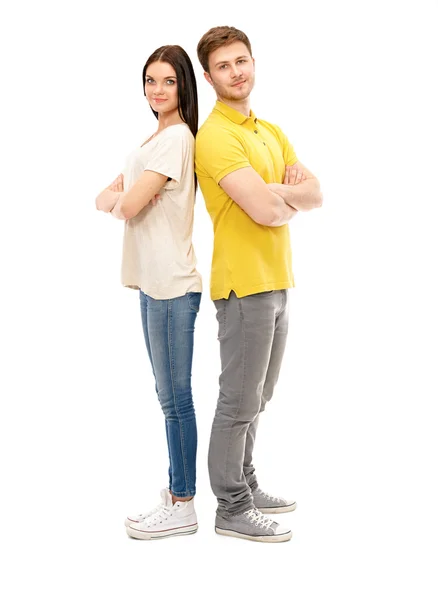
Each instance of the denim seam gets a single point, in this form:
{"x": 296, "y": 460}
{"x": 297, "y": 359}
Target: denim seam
{"x": 170, "y": 457}
{"x": 175, "y": 404}
{"x": 283, "y": 302}
{"x": 225, "y": 321}
{"x": 229, "y": 437}
{"x": 243, "y": 384}
{"x": 222, "y": 320}
{"x": 244, "y": 348}
{"x": 148, "y": 342}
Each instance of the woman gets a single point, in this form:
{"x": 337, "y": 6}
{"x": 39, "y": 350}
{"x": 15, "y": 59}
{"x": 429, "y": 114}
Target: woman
{"x": 155, "y": 197}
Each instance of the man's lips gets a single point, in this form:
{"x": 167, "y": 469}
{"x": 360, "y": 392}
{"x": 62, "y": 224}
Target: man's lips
{"x": 239, "y": 83}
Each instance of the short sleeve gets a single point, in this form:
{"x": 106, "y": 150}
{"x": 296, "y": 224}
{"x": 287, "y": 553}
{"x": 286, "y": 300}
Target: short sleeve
{"x": 168, "y": 157}
{"x": 218, "y": 153}
{"x": 289, "y": 156}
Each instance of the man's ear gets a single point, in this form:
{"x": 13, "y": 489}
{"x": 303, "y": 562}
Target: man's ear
{"x": 253, "y": 63}
{"x": 208, "y": 78}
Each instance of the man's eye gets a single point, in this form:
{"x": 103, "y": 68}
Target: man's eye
{"x": 223, "y": 66}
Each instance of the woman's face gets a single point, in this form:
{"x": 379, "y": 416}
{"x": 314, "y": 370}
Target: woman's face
{"x": 161, "y": 88}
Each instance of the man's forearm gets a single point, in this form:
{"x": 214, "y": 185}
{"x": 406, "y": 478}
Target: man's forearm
{"x": 304, "y": 196}
{"x": 282, "y": 213}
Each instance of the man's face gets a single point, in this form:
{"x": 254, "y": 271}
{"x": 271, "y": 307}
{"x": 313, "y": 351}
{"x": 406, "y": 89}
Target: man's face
{"x": 231, "y": 72}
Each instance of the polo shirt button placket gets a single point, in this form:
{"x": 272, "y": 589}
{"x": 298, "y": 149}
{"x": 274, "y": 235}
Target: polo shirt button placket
{"x": 256, "y": 131}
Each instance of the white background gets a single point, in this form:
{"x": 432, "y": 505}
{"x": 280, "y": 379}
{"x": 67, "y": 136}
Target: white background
{"x": 351, "y": 432}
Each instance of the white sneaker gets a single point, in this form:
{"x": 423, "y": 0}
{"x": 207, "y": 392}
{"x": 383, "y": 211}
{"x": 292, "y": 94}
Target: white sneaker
{"x": 167, "y": 520}
{"x": 135, "y": 519}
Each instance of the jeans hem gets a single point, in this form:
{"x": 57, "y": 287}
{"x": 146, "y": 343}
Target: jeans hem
{"x": 182, "y": 494}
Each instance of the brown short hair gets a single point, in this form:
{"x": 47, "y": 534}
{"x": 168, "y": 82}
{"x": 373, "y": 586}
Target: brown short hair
{"x": 217, "y": 37}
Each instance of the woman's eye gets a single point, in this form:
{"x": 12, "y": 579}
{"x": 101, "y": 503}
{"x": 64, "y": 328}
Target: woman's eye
{"x": 149, "y": 80}
{"x": 171, "y": 81}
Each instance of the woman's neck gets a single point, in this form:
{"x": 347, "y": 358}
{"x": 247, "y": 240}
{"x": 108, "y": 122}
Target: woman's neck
{"x": 166, "y": 119}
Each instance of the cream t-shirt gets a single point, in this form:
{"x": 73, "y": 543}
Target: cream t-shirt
{"x": 158, "y": 255}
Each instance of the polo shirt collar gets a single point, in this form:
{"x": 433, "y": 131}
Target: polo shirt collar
{"x": 233, "y": 114}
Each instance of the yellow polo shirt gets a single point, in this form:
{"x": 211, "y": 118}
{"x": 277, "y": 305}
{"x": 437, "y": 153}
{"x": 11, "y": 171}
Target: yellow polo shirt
{"x": 247, "y": 257}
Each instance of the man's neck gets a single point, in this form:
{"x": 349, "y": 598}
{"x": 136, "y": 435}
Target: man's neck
{"x": 242, "y": 106}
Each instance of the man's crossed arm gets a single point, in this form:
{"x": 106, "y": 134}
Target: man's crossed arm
{"x": 303, "y": 197}
{"x": 273, "y": 204}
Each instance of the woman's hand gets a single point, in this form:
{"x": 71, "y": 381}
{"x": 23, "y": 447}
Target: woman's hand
{"x": 117, "y": 185}
{"x": 107, "y": 199}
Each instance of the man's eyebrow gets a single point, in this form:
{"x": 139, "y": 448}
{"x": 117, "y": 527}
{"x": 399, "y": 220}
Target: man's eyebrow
{"x": 222, "y": 62}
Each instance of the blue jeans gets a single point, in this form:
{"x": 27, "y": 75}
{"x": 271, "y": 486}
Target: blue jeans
{"x": 168, "y": 327}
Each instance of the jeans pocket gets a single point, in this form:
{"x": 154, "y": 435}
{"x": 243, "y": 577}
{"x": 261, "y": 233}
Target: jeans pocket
{"x": 221, "y": 316}
{"x": 194, "y": 300}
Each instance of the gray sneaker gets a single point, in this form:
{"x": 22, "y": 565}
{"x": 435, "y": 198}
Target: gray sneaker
{"x": 271, "y": 504}
{"x": 252, "y": 525}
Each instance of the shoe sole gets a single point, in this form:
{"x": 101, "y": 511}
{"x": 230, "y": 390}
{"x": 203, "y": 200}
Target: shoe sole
{"x": 156, "y": 535}
{"x": 278, "y": 509}
{"x": 271, "y": 539}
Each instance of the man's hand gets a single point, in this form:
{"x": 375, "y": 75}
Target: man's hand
{"x": 293, "y": 176}
{"x": 301, "y": 197}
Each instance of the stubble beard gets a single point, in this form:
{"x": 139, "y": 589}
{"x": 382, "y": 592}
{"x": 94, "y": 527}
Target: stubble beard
{"x": 226, "y": 93}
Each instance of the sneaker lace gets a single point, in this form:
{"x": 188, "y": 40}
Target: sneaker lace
{"x": 149, "y": 513}
{"x": 270, "y": 496}
{"x": 258, "y": 518}
{"x": 162, "y": 514}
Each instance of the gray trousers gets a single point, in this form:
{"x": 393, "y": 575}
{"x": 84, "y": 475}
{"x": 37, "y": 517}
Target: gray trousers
{"x": 252, "y": 336}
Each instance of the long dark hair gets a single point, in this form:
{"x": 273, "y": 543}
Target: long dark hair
{"x": 185, "y": 80}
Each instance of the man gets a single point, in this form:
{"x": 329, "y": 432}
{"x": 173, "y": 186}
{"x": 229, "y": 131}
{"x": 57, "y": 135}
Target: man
{"x": 253, "y": 185}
